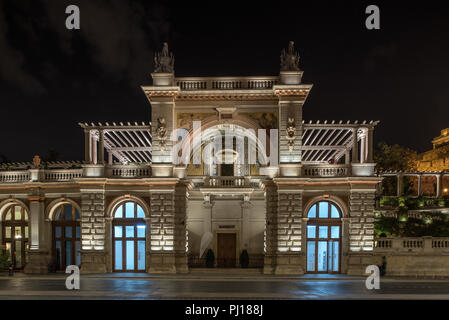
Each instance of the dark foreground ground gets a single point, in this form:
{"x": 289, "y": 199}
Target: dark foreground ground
{"x": 132, "y": 286}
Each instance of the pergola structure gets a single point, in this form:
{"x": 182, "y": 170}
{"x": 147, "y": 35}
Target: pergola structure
{"x": 439, "y": 175}
{"x": 128, "y": 143}
{"x": 329, "y": 142}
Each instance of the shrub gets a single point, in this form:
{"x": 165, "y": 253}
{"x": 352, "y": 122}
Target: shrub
{"x": 5, "y": 262}
{"x": 210, "y": 258}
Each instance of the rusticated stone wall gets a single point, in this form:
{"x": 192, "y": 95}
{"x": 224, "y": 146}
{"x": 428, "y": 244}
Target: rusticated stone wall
{"x": 289, "y": 222}
{"x": 93, "y": 258}
{"x": 361, "y": 223}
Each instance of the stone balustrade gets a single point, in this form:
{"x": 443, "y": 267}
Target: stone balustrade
{"x": 226, "y": 182}
{"x": 418, "y": 245}
{"x": 226, "y": 83}
{"x": 14, "y": 176}
{"x": 325, "y": 170}
{"x": 128, "y": 171}
{"x": 63, "y": 175}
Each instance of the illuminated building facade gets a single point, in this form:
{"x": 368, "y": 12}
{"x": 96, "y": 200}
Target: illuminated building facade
{"x": 297, "y": 195}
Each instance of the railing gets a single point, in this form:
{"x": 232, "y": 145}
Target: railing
{"x": 128, "y": 171}
{"x": 326, "y": 170}
{"x": 425, "y": 245}
{"x": 226, "y": 182}
{"x": 255, "y": 261}
{"x": 226, "y": 83}
{"x": 14, "y": 176}
{"x": 63, "y": 175}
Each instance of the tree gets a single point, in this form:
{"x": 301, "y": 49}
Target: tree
{"x": 52, "y": 155}
{"x": 3, "y": 159}
{"x": 395, "y": 158}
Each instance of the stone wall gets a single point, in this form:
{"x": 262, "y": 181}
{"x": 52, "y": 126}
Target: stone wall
{"x": 361, "y": 232}
{"x": 167, "y": 233}
{"x": 271, "y": 228}
{"x": 361, "y": 223}
{"x": 93, "y": 257}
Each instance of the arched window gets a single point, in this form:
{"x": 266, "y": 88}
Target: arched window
{"x": 66, "y": 236}
{"x": 324, "y": 238}
{"x": 129, "y": 235}
{"x": 324, "y": 210}
{"x": 16, "y": 234}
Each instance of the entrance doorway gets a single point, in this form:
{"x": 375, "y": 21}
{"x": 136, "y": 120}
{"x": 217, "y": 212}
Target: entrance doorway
{"x": 227, "y": 170}
{"x": 129, "y": 234}
{"x": 324, "y": 238}
{"x": 226, "y": 247}
{"x": 15, "y": 235}
{"x": 66, "y": 237}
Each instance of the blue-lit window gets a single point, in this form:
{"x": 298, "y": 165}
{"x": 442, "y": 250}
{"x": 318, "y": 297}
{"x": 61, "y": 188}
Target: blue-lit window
{"x": 129, "y": 210}
{"x": 325, "y": 210}
{"x": 311, "y": 231}
{"x": 312, "y": 212}
{"x": 129, "y": 237}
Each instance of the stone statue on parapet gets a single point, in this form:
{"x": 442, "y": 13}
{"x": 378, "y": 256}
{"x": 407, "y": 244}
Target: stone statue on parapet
{"x": 290, "y": 59}
{"x": 164, "y": 62}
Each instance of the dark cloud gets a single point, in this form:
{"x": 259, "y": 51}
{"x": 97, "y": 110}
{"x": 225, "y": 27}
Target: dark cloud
{"x": 118, "y": 37}
{"x": 12, "y": 63}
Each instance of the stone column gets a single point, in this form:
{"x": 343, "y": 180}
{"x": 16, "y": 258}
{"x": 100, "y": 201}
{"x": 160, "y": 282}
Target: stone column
{"x": 363, "y": 149}
{"x": 101, "y": 148}
{"x": 399, "y": 185}
{"x": 93, "y": 143}
{"x": 93, "y": 255}
{"x": 87, "y": 148}
{"x": 355, "y": 146}
{"x": 439, "y": 190}
{"x": 38, "y": 253}
{"x": 419, "y": 182}
{"x": 370, "y": 145}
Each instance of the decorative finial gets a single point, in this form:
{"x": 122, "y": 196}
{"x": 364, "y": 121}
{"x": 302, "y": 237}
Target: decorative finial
{"x": 164, "y": 61}
{"x": 36, "y": 161}
{"x": 290, "y": 59}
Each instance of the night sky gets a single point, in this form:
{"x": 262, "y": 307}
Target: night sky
{"x": 52, "y": 78}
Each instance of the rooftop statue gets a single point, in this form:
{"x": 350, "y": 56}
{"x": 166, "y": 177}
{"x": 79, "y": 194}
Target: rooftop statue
{"x": 164, "y": 61}
{"x": 290, "y": 59}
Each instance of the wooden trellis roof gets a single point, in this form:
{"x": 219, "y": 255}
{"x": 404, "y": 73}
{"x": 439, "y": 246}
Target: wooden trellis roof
{"x": 127, "y": 142}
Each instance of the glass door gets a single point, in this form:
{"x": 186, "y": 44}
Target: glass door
{"x": 129, "y": 247}
{"x": 129, "y": 234}
{"x": 323, "y": 248}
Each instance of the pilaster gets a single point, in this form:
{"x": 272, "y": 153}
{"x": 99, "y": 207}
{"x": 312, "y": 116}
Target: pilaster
{"x": 93, "y": 228}
{"x": 361, "y": 231}
{"x": 38, "y": 254}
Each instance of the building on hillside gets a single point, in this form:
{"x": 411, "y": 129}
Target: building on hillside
{"x": 228, "y": 164}
{"x": 436, "y": 159}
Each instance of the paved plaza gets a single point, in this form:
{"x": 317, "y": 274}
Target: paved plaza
{"x": 218, "y": 286}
